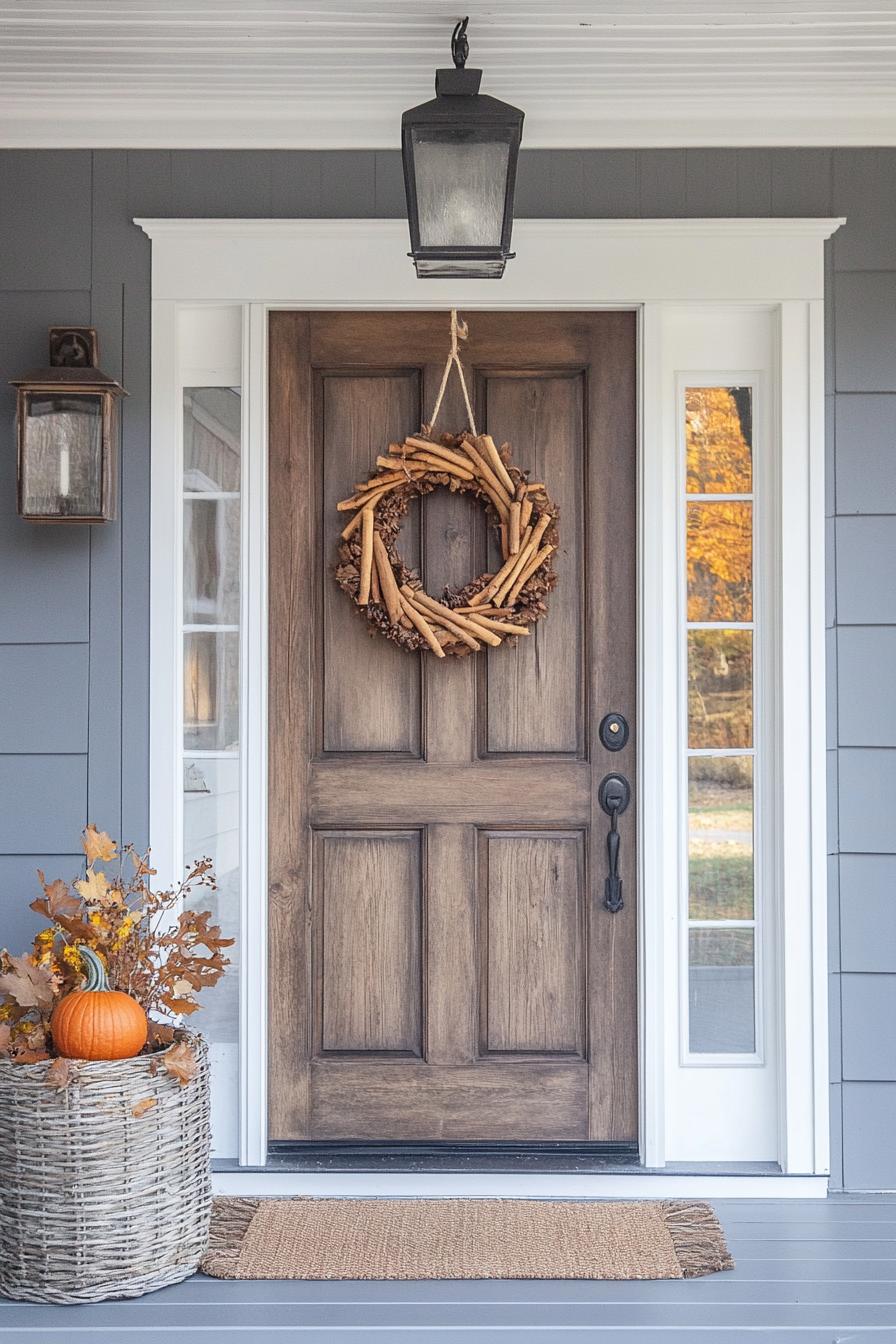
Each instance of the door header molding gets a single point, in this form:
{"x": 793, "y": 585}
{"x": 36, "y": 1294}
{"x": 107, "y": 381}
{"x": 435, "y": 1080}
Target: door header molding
{"x": 567, "y": 263}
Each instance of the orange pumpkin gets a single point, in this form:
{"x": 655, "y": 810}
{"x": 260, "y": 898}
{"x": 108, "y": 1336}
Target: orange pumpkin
{"x": 97, "y": 1022}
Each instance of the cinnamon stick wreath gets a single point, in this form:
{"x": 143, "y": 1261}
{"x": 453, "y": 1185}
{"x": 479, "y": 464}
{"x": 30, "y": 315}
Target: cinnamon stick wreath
{"x": 492, "y": 608}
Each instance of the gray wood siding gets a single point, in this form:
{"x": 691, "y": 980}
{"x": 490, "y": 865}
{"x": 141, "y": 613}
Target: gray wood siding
{"x": 70, "y": 254}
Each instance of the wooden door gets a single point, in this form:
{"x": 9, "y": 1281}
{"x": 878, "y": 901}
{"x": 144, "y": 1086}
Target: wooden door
{"x": 442, "y": 965}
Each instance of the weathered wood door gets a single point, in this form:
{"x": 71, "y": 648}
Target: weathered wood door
{"x": 442, "y": 964}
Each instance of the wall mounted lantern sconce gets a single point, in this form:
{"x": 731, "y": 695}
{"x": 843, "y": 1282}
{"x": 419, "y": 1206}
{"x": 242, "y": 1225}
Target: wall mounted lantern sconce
{"x": 67, "y": 431}
{"x": 460, "y": 154}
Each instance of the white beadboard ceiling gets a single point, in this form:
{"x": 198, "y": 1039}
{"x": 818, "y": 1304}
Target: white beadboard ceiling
{"x": 281, "y": 74}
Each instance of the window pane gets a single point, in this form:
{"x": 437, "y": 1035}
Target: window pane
{"x": 720, "y": 561}
{"x": 211, "y": 692}
{"x": 211, "y": 829}
{"x": 720, "y": 837}
{"x": 719, "y": 440}
{"x": 211, "y": 561}
{"x": 721, "y": 993}
{"x": 720, "y": 688}
{"x": 211, "y": 438}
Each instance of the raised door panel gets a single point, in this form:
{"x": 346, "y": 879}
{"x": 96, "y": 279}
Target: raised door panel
{"x": 370, "y": 697}
{"x": 534, "y": 691}
{"x": 366, "y": 912}
{"x": 532, "y": 941}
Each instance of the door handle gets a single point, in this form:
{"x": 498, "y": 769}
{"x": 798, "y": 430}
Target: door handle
{"x": 614, "y": 795}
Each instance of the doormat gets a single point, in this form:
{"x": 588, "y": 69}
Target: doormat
{"x": 463, "y": 1239}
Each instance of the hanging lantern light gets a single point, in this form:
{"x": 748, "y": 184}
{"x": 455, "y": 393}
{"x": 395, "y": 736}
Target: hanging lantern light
{"x": 67, "y": 434}
{"x": 460, "y": 154}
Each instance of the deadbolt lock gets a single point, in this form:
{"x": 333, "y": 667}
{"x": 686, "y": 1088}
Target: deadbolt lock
{"x": 613, "y": 731}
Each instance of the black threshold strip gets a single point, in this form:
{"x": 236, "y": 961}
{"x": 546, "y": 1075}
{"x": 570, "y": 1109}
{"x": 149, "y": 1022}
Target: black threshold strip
{"x": 456, "y": 1157}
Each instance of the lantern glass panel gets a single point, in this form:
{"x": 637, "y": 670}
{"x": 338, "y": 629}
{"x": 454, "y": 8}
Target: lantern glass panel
{"x": 62, "y": 455}
{"x": 460, "y": 177}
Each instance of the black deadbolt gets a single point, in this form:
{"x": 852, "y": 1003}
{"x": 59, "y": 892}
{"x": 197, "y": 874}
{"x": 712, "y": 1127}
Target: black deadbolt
{"x": 613, "y": 731}
{"x": 614, "y": 794}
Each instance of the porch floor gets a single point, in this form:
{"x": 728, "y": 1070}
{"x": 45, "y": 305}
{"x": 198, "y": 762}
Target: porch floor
{"x": 814, "y": 1271}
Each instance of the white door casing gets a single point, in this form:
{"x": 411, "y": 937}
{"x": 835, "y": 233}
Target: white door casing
{"x": 692, "y": 282}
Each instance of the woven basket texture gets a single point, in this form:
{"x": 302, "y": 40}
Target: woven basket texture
{"x": 95, "y": 1201}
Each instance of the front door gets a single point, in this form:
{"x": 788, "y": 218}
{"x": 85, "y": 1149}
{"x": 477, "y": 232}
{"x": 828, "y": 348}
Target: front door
{"x": 443, "y": 966}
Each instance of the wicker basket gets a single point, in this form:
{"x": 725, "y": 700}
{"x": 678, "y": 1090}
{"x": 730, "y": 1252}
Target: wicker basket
{"x": 96, "y": 1201}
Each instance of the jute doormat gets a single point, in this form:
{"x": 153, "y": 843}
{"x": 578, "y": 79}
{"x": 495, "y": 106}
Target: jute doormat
{"x": 463, "y": 1239}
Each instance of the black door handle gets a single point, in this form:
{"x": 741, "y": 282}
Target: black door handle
{"x": 614, "y": 795}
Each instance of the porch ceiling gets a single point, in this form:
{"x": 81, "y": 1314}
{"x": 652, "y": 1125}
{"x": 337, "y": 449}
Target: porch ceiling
{"x": 279, "y": 73}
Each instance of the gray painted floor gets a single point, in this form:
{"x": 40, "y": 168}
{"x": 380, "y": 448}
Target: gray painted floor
{"x": 811, "y": 1272}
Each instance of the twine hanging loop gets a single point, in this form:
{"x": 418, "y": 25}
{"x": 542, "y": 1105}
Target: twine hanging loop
{"x": 459, "y": 332}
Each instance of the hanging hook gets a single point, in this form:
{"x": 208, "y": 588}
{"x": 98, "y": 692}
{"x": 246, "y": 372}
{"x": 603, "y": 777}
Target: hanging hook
{"x": 460, "y": 47}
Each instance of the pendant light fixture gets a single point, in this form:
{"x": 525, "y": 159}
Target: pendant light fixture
{"x": 460, "y": 154}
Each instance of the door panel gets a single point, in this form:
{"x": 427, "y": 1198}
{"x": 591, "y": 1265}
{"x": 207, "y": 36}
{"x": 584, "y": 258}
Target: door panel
{"x": 532, "y": 943}
{"x": 442, "y": 967}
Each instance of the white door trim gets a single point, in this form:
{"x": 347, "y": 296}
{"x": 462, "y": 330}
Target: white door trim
{"x": 256, "y": 265}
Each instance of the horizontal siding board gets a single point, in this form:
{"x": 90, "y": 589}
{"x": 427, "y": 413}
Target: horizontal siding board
{"x": 866, "y": 670}
{"x": 869, "y": 1124}
{"x": 867, "y": 787}
{"x": 45, "y": 219}
{"x": 866, "y": 562}
{"x": 44, "y": 799}
{"x": 865, "y": 426}
{"x": 865, "y": 331}
{"x": 868, "y": 912}
{"x": 869, "y": 1050}
{"x": 19, "y": 886}
{"x": 44, "y": 703}
{"x": 864, "y": 189}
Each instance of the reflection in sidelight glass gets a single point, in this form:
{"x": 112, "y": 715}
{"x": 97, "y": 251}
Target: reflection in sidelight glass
{"x": 719, "y": 440}
{"x": 720, "y": 837}
{"x": 211, "y": 561}
{"x": 720, "y": 688}
{"x": 720, "y": 991}
{"x": 211, "y": 651}
{"x": 212, "y": 421}
{"x": 720, "y": 561}
{"x": 721, "y": 896}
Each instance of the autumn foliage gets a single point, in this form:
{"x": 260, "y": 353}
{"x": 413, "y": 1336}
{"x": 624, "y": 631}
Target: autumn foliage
{"x": 161, "y": 962}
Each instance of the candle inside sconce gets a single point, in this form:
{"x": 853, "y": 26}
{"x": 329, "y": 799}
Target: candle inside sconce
{"x": 65, "y": 458}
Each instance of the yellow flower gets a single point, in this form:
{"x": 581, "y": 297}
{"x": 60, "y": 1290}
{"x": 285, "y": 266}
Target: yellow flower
{"x": 72, "y": 957}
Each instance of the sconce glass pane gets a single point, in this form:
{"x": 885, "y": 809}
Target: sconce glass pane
{"x": 62, "y": 455}
{"x": 212, "y": 424}
{"x": 211, "y": 691}
{"x": 720, "y": 688}
{"x": 461, "y": 184}
{"x": 211, "y": 561}
{"x": 719, "y": 440}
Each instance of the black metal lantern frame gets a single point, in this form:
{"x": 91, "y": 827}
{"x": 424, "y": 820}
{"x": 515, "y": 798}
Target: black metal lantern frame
{"x": 67, "y": 434}
{"x": 460, "y": 154}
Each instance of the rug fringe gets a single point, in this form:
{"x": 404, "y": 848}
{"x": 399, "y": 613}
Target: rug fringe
{"x": 230, "y": 1223}
{"x": 697, "y": 1237}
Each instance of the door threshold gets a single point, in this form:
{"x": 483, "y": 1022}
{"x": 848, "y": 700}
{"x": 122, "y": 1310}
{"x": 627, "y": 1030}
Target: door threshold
{"x": 452, "y": 1157}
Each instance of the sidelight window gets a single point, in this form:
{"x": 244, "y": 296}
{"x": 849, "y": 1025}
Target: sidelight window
{"x": 721, "y": 938}
{"x": 210, "y": 629}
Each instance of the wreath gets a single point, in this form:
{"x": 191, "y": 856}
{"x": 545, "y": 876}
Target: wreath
{"x": 495, "y": 606}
